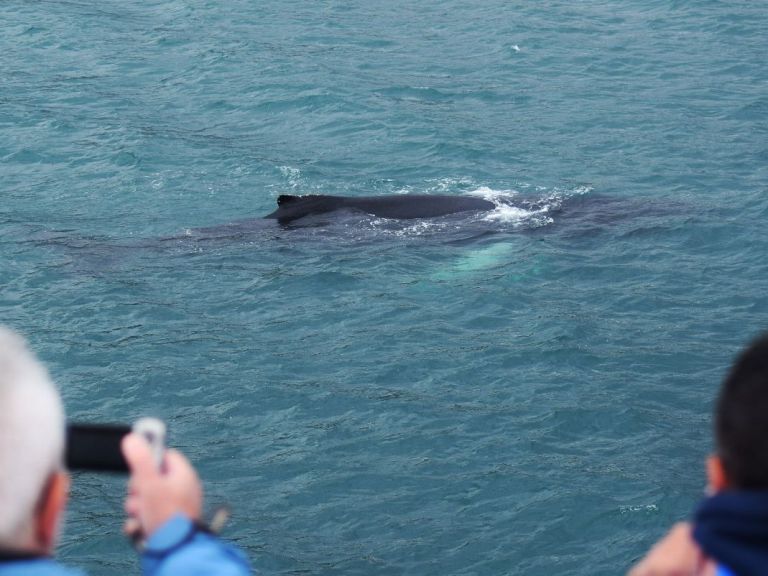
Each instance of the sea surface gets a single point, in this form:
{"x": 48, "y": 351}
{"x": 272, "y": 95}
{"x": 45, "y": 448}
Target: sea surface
{"x": 524, "y": 391}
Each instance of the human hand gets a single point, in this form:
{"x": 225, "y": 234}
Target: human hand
{"x": 155, "y": 496}
{"x": 674, "y": 555}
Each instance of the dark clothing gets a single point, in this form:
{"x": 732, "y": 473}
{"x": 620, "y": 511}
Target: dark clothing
{"x": 731, "y": 527}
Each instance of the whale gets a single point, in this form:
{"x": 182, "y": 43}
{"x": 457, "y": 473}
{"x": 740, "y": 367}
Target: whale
{"x": 585, "y": 214}
{"x": 569, "y": 217}
{"x": 393, "y": 206}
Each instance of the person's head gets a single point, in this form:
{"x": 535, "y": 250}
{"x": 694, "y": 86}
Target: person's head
{"x": 741, "y": 424}
{"x": 33, "y": 484}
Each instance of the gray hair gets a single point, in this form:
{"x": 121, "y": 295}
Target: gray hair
{"x": 31, "y": 435}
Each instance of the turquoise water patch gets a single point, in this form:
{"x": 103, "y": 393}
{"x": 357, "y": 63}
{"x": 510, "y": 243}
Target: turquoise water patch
{"x": 527, "y": 390}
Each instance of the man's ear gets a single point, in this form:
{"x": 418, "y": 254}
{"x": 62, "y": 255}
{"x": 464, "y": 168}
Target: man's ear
{"x": 51, "y": 509}
{"x": 717, "y": 479}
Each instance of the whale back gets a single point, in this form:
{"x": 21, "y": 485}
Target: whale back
{"x": 404, "y": 206}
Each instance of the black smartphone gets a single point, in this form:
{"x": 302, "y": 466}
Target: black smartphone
{"x": 96, "y": 447}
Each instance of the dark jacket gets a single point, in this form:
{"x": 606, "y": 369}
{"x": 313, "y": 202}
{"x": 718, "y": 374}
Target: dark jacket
{"x": 731, "y": 527}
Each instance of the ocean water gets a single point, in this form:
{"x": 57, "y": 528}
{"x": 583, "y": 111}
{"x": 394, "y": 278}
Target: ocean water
{"x": 526, "y": 391}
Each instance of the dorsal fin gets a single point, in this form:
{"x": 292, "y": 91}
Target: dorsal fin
{"x": 290, "y": 207}
{"x": 285, "y": 199}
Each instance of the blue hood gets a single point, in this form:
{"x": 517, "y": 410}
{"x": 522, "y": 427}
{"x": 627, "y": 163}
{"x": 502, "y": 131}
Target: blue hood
{"x": 732, "y": 528}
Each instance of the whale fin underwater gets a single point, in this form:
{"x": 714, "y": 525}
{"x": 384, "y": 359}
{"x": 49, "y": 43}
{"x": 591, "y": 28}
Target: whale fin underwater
{"x": 400, "y": 207}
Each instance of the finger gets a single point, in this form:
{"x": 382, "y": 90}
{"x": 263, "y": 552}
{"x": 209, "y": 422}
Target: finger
{"x": 138, "y": 455}
{"x": 177, "y": 464}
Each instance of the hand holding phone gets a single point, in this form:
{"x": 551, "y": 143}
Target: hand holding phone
{"x": 155, "y": 495}
{"x": 163, "y": 483}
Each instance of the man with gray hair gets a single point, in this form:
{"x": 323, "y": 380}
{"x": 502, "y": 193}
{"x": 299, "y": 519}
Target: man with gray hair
{"x": 164, "y": 507}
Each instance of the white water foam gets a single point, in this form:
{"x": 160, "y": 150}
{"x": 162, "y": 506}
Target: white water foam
{"x": 506, "y": 212}
{"x": 293, "y": 176}
{"x": 531, "y": 212}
